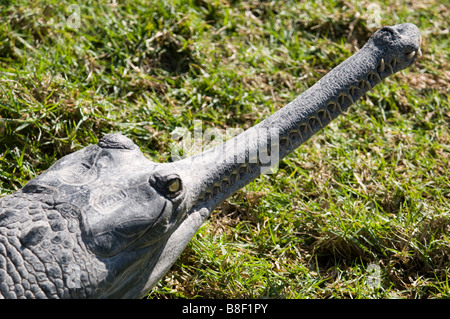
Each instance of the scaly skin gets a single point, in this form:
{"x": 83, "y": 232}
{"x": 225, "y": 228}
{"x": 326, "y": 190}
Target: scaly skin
{"x": 106, "y": 222}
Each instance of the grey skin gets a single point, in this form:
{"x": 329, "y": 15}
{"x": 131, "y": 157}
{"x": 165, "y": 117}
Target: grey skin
{"x": 105, "y": 222}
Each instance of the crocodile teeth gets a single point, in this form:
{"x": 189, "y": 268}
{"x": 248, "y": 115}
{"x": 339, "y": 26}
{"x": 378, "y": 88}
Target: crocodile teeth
{"x": 410, "y": 55}
{"x": 393, "y": 63}
{"x": 381, "y": 67}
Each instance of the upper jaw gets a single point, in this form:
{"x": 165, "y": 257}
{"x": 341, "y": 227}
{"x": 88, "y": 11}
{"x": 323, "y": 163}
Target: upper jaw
{"x": 397, "y": 63}
{"x": 398, "y": 47}
{"x": 390, "y": 65}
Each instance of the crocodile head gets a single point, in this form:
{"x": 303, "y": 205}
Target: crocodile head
{"x": 135, "y": 216}
{"x": 126, "y": 208}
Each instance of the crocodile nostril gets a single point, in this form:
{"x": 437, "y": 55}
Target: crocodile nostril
{"x": 388, "y": 30}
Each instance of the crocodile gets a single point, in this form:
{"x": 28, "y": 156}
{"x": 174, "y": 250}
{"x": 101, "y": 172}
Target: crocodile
{"x": 106, "y": 222}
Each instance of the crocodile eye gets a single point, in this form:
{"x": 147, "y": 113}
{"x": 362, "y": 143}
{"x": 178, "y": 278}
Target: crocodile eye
{"x": 167, "y": 185}
{"x": 173, "y": 186}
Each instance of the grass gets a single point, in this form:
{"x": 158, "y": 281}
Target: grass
{"x": 371, "y": 190}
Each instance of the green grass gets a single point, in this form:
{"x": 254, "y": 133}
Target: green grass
{"x": 373, "y": 188}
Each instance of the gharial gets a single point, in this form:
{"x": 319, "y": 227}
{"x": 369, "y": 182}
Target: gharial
{"x": 105, "y": 222}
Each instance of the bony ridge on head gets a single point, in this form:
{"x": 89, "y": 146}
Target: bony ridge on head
{"x": 116, "y": 141}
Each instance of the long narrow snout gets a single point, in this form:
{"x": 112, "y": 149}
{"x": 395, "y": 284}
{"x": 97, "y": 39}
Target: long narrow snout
{"x": 212, "y": 176}
{"x": 217, "y": 173}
